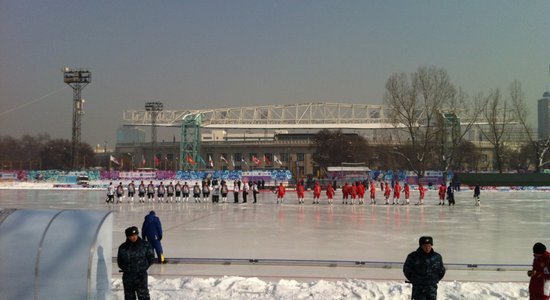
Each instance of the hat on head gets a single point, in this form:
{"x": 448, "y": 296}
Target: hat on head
{"x": 539, "y": 248}
{"x": 131, "y": 231}
{"x": 426, "y": 240}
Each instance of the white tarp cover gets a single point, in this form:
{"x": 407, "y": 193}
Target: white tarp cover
{"x": 55, "y": 254}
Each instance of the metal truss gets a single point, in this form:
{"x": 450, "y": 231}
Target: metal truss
{"x": 288, "y": 116}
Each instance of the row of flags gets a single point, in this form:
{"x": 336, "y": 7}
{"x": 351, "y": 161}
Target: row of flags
{"x": 256, "y": 161}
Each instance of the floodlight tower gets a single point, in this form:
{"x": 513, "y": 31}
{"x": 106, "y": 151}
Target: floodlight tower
{"x": 154, "y": 108}
{"x": 77, "y": 79}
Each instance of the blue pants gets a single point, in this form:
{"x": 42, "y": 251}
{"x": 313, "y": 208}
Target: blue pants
{"x": 158, "y": 248}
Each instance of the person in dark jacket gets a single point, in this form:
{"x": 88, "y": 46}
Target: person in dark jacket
{"x": 134, "y": 257}
{"x": 151, "y": 231}
{"x": 451, "y": 195}
{"x": 424, "y": 269}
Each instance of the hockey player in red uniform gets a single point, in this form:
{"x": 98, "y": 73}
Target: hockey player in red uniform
{"x": 421, "y": 192}
{"x": 345, "y": 193}
{"x": 442, "y": 191}
{"x": 353, "y": 193}
{"x": 300, "y": 192}
{"x": 316, "y": 193}
{"x": 407, "y": 190}
{"x": 330, "y": 193}
{"x": 361, "y": 192}
{"x": 372, "y": 192}
{"x": 387, "y": 192}
{"x": 396, "y": 193}
{"x": 281, "y": 191}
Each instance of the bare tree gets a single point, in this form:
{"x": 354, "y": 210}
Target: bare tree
{"x": 415, "y": 104}
{"x": 457, "y": 120}
{"x": 498, "y": 118}
{"x": 540, "y": 148}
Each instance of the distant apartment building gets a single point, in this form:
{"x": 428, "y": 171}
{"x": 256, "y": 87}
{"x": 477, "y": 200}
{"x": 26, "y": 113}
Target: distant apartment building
{"x": 544, "y": 116}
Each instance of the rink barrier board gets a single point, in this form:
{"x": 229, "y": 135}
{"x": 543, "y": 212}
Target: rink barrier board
{"x": 337, "y": 263}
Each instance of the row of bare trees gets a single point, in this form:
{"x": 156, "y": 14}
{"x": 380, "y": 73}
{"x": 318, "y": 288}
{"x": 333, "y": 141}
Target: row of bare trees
{"x": 435, "y": 117}
{"x": 40, "y": 152}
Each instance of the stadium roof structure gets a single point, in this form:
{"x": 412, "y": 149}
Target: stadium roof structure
{"x": 286, "y": 116}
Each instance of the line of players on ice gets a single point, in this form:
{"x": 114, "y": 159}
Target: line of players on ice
{"x": 353, "y": 193}
{"x": 166, "y": 193}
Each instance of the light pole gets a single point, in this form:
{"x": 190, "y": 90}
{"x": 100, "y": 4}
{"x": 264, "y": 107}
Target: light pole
{"x": 77, "y": 79}
{"x": 153, "y": 108}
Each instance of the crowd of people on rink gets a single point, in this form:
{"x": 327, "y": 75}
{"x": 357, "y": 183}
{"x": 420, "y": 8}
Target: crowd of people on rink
{"x": 216, "y": 191}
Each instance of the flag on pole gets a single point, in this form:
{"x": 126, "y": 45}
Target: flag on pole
{"x": 201, "y": 160}
{"x": 157, "y": 162}
{"x": 223, "y": 159}
{"x": 143, "y": 161}
{"x": 276, "y": 159}
{"x": 266, "y": 160}
{"x": 232, "y": 161}
{"x": 210, "y": 161}
{"x": 114, "y": 160}
{"x": 256, "y": 160}
{"x": 244, "y": 161}
{"x": 190, "y": 160}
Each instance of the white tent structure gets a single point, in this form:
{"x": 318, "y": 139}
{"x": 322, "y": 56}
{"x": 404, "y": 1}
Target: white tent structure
{"x": 55, "y": 254}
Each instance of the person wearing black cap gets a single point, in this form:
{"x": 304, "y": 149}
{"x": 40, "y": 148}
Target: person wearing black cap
{"x": 424, "y": 269}
{"x": 539, "y": 285}
{"x": 134, "y": 257}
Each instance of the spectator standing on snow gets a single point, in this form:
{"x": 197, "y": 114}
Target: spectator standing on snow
{"x": 151, "y": 231}
{"x": 539, "y": 285}
{"x": 424, "y": 269}
{"x": 134, "y": 257}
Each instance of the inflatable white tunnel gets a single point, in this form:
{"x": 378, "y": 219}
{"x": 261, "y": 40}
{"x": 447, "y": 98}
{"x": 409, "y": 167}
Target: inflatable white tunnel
{"x": 55, "y": 254}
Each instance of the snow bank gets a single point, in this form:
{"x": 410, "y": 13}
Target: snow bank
{"x": 254, "y": 288}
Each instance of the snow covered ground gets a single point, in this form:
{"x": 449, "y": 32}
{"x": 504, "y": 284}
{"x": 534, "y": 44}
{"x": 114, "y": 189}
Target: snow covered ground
{"x": 309, "y": 250}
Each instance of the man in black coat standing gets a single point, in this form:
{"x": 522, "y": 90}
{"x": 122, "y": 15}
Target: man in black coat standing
{"x": 134, "y": 257}
{"x": 424, "y": 269}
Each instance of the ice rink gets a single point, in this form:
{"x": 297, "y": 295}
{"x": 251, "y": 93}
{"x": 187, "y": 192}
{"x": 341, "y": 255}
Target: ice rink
{"x": 492, "y": 242}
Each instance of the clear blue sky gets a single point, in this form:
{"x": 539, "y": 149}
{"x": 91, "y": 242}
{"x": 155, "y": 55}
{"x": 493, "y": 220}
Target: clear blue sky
{"x": 207, "y": 54}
